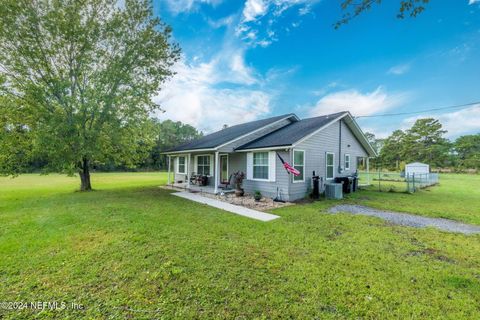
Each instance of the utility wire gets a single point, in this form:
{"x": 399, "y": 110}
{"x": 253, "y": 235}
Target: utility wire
{"x": 422, "y": 111}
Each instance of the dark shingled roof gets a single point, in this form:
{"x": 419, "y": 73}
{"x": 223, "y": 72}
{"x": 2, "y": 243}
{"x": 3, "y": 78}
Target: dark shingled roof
{"x": 225, "y": 135}
{"x": 288, "y": 135}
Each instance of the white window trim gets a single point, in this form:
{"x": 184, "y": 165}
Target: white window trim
{"x": 268, "y": 166}
{"x": 345, "y": 161}
{"x": 293, "y": 161}
{"x": 178, "y": 165}
{"x": 326, "y": 165}
{"x": 209, "y": 165}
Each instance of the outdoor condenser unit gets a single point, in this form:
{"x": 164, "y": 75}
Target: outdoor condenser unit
{"x": 333, "y": 191}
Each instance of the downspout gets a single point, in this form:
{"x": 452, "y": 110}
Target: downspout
{"x": 340, "y": 146}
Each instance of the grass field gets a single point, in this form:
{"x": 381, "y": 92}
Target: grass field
{"x": 457, "y": 197}
{"x": 132, "y": 250}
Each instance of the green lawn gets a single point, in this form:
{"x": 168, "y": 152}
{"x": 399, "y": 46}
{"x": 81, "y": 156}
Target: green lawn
{"x": 132, "y": 250}
{"x": 457, "y": 197}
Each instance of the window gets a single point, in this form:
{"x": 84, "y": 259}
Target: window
{"x": 203, "y": 165}
{"x": 260, "y": 165}
{"x": 181, "y": 165}
{"x": 330, "y": 165}
{"x": 299, "y": 164}
{"x": 347, "y": 161}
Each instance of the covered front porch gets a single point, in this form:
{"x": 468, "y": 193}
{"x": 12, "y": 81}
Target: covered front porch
{"x": 200, "y": 189}
{"x": 200, "y": 172}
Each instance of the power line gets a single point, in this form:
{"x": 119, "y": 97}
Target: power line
{"x": 417, "y": 112}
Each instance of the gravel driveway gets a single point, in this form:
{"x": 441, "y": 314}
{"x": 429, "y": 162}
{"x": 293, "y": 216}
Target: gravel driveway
{"x": 408, "y": 219}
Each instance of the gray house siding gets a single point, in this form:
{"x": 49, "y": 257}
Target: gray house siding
{"x": 315, "y": 149}
{"x": 231, "y": 146}
{"x": 269, "y": 188}
{"x": 352, "y": 146}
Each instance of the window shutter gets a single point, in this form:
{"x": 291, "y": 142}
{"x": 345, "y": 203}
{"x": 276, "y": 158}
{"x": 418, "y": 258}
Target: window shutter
{"x": 272, "y": 157}
{"x": 249, "y": 165}
{"x": 195, "y": 164}
{"x": 175, "y": 165}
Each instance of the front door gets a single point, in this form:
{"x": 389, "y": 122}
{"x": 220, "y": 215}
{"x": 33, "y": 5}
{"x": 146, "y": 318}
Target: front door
{"x": 224, "y": 169}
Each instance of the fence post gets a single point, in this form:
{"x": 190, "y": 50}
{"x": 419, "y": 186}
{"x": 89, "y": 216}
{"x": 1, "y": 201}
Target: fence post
{"x": 413, "y": 178}
{"x": 379, "y": 178}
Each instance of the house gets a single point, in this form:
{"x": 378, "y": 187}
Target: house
{"x": 329, "y": 145}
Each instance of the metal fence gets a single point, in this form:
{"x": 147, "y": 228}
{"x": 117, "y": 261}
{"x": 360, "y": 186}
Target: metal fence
{"x": 395, "y": 181}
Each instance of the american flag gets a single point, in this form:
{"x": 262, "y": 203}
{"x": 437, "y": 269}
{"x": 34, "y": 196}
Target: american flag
{"x": 288, "y": 167}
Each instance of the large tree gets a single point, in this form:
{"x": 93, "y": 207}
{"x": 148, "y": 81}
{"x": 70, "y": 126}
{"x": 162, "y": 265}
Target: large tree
{"x": 15, "y": 137}
{"x": 425, "y": 142}
{"x": 392, "y": 150}
{"x": 168, "y": 135}
{"x": 83, "y": 73}
{"x": 467, "y": 149}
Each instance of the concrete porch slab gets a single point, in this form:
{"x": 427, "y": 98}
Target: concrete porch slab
{"x": 242, "y": 211}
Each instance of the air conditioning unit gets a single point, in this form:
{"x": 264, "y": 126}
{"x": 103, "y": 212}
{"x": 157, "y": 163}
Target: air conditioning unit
{"x": 333, "y": 191}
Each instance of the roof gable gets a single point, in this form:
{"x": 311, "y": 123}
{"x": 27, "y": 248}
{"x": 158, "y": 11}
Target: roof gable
{"x": 292, "y": 133}
{"x": 304, "y": 129}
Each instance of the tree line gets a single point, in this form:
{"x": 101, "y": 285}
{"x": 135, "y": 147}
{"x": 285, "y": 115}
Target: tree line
{"x": 425, "y": 142}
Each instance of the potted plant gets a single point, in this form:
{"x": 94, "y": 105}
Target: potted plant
{"x": 238, "y": 179}
{"x": 257, "y": 195}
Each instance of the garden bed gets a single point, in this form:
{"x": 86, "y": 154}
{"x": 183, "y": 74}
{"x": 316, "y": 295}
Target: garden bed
{"x": 248, "y": 201}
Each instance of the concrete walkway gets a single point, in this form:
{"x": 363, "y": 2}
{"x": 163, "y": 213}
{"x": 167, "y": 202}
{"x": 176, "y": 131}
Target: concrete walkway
{"x": 406, "y": 219}
{"x": 254, "y": 214}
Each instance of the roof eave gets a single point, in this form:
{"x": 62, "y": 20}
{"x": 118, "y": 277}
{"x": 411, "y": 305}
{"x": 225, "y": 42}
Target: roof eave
{"x": 257, "y": 130}
{"x": 277, "y": 147}
{"x": 188, "y": 151}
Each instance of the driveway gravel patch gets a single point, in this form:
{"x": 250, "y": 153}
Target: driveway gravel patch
{"x": 406, "y": 219}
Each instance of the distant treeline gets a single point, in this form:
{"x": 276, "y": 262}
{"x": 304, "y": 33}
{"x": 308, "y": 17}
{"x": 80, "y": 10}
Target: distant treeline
{"x": 168, "y": 134}
{"x": 425, "y": 142}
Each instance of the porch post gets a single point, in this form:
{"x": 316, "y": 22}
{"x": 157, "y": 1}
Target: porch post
{"x": 188, "y": 170}
{"x": 368, "y": 170}
{"x": 217, "y": 169}
{"x": 168, "y": 165}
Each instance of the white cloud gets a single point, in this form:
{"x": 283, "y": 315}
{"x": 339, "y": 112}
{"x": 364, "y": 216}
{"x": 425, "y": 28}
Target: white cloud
{"x": 473, "y": 1}
{"x": 254, "y": 9}
{"x": 177, "y": 6}
{"x": 223, "y": 22}
{"x": 257, "y": 13}
{"x": 357, "y": 103}
{"x": 399, "y": 69}
{"x": 210, "y": 94}
{"x": 457, "y": 123}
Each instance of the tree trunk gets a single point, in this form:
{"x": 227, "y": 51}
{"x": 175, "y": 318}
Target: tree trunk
{"x": 85, "y": 176}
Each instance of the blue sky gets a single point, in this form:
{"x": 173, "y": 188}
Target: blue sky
{"x": 250, "y": 59}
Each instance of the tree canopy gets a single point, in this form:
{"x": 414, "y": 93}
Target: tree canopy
{"x": 77, "y": 78}
{"x": 467, "y": 149}
{"x": 169, "y": 134}
{"x": 425, "y": 142}
{"x": 354, "y": 8}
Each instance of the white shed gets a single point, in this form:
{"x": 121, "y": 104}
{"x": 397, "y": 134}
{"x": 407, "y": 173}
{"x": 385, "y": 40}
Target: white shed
{"x": 416, "y": 168}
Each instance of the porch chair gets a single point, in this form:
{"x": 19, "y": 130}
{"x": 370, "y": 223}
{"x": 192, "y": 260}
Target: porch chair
{"x": 227, "y": 183}
{"x": 194, "y": 178}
